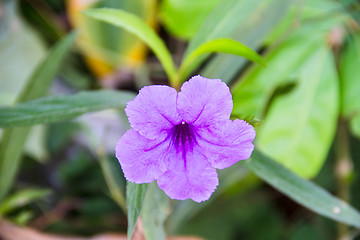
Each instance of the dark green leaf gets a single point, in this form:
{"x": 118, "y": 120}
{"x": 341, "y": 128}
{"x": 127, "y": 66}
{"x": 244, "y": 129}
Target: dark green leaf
{"x": 13, "y": 139}
{"x": 302, "y": 191}
{"x": 59, "y": 108}
{"x": 135, "y": 194}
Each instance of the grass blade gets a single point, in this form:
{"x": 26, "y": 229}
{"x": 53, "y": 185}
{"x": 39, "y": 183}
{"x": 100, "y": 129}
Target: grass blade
{"x": 59, "y": 108}
{"x": 14, "y": 138}
{"x": 154, "y": 212}
{"x": 138, "y": 27}
{"x": 302, "y": 191}
{"x": 222, "y": 45}
{"x": 22, "y": 198}
{"x": 135, "y": 194}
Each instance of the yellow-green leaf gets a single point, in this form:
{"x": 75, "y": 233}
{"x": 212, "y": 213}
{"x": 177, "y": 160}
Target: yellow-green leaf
{"x": 138, "y": 27}
{"x": 223, "y": 45}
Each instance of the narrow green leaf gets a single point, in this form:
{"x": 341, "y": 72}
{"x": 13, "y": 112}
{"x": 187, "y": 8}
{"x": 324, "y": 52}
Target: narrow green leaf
{"x": 154, "y": 213}
{"x": 44, "y": 73}
{"x": 59, "y": 108}
{"x": 355, "y": 125}
{"x": 23, "y": 218}
{"x": 220, "y": 22}
{"x": 22, "y": 198}
{"x": 12, "y": 142}
{"x": 108, "y": 44}
{"x": 113, "y": 181}
{"x": 257, "y": 28}
{"x": 13, "y": 139}
{"x": 349, "y": 77}
{"x": 175, "y": 15}
{"x": 236, "y": 175}
{"x": 21, "y": 49}
{"x": 135, "y": 194}
{"x": 223, "y": 45}
{"x": 302, "y": 191}
{"x": 299, "y": 126}
{"x": 138, "y": 27}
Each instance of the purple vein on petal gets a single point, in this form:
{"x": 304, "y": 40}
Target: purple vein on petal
{"x": 216, "y": 144}
{"x": 158, "y": 144}
{"x": 183, "y": 138}
{"x": 199, "y": 114}
{"x": 167, "y": 119}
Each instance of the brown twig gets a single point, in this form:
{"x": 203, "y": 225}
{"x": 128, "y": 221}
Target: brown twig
{"x": 10, "y": 231}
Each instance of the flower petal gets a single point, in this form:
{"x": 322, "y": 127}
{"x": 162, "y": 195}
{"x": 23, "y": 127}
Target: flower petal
{"x": 141, "y": 159}
{"x": 189, "y": 175}
{"x": 203, "y": 101}
{"x": 226, "y": 143}
{"x": 153, "y": 111}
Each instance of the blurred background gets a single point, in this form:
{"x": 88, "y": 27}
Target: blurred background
{"x": 305, "y": 105}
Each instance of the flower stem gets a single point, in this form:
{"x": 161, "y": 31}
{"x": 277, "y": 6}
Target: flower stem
{"x": 343, "y": 171}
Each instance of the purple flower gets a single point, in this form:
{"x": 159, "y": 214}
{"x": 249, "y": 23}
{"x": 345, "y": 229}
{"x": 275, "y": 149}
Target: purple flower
{"x": 179, "y": 139}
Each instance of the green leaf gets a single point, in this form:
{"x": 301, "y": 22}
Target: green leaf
{"x": 135, "y": 194}
{"x": 113, "y": 180}
{"x": 22, "y": 198}
{"x": 256, "y": 28}
{"x": 183, "y": 18}
{"x": 220, "y": 23}
{"x": 299, "y": 127}
{"x": 138, "y": 27}
{"x": 349, "y": 77}
{"x": 224, "y": 20}
{"x": 302, "y": 191}
{"x": 23, "y": 218}
{"x": 310, "y": 14}
{"x": 13, "y": 139}
{"x": 223, "y": 45}
{"x": 44, "y": 73}
{"x": 106, "y": 46}
{"x": 355, "y": 125}
{"x": 12, "y": 142}
{"x": 59, "y": 108}
{"x": 154, "y": 211}
{"x": 21, "y": 50}
{"x": 185, "y": 211}
{"x": 255, "y": 88}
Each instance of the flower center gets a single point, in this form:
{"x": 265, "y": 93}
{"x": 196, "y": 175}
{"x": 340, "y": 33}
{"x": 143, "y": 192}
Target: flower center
{"x": 183, "y": 137}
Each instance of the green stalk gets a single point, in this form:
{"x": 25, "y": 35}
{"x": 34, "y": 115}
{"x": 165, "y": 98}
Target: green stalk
{"x": 343, "y": 172}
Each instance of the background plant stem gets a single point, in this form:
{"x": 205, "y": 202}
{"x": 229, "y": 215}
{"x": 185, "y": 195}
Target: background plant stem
{"x": 343, "y": 171}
